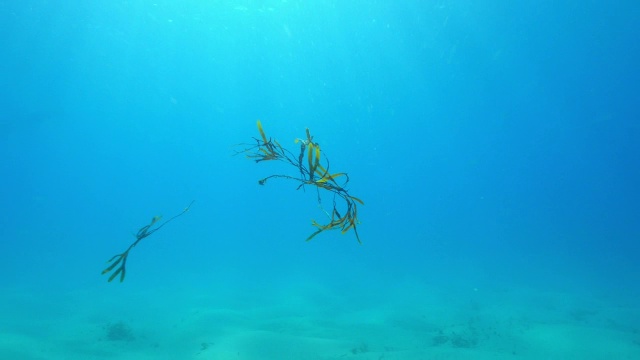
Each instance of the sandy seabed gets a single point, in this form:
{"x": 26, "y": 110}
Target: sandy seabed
{"x": 312, "y": 322}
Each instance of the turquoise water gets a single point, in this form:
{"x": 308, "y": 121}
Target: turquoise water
{"x": 494, "y": 145}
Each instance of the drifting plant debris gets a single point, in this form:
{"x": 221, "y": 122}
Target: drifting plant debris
{"x": 141, "y": 234}
{"x": 309, "y": 163}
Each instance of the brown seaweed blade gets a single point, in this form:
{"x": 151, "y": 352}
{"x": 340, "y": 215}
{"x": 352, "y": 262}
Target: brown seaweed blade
{"x": 115, "y": 263}
{"x": 262, "y": 134}
{"x": 356, "y": 199}
{"x": 121, "y": 270}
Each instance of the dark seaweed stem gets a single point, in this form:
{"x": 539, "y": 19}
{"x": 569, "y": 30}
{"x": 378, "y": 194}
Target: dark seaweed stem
{"x": 309, "y": 163}
{"x": 141, "y": 234}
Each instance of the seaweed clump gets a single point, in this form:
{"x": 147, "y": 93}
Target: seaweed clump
{"x": 313, "y": 170}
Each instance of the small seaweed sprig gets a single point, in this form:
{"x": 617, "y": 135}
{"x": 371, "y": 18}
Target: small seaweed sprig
{"x": 121, "y": 259}
{"x": 313, "y": 168}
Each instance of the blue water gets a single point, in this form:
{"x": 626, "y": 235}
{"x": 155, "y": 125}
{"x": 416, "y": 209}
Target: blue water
{"x": 494, "y": 144}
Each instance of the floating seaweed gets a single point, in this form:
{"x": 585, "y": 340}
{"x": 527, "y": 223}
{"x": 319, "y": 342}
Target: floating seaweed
{"x": 141, "y": 234}
{"x": 313, "y": 167}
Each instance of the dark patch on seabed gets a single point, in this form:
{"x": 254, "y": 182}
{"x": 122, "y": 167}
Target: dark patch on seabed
{"x": 118, "y": 331}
